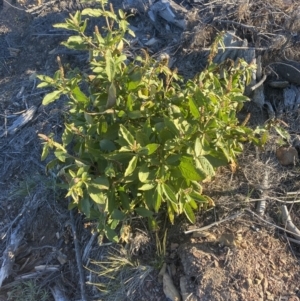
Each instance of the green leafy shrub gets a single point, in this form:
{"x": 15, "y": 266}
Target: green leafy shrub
{"x": 139, "y": 139}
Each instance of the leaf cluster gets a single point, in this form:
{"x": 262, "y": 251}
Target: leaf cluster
{"x": 140, "y": 139}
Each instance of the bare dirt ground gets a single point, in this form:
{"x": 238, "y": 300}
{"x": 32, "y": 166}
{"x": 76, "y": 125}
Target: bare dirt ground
{"x": 242, "y": 257}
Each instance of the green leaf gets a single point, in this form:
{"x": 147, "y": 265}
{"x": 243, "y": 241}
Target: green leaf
{"x": 144, "y": 173}
{"x": 125, "y": 134}
{"x": 143, "y": 212}
{"x": 112, "y": 96}
{"x": 171, "y": 126}
{"x": 84, "y": 206}
{"x": 52, "y": 164}
{"x": 152, "y": 148}
{"x": 204, "y": 165}
{"x": 61, "y": 155}
{"x": 193, "y": 108}
{"x": 80, "y": 96}
{"x": 50, "y": 97}
{"x": 169, "y": 193}
{"x": 45, "y": 152}
{"x": 146, "y": 187}
{"x": 101, "y": 183}
{"x": 111, "y": 234}
{"x": 189, "y": 212}
{"x": 125, "y": 201}
{"x": 188, "y": 170}
{"x": 96, "y": 195}
{"x": 67, "y": 137}
{"x": 198, "y": 147}
{"x": 68, "y": 26}
{"x": 118, "y": 215}
{"x": 282, "y": 132}
{"x": 107, "y": 145}
{"x": 110, "y": 171}
{"x": 110, "y": 67}
{"x": 170, "y": 212}
{"x": 131, "y": 166}
{"x": 92, "y": 12}
{"x": 135, "y": 114}
{"x": 157, "y": 200}
{"x": 197, "y": 197}
{"x": 75, "y": 42}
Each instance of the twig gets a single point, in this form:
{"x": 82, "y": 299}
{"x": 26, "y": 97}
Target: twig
{"x": 50, "y": 34}
{"x": 259, "y": 83}
{"x": 215, "y": 223}
{"x": 78, "y": 259}
{"x": 250, "y": 27}
{"x": 16, "y": 238}
{"x": 296, "y": 241}
{"x": 269, "y": 223}
{"x": 237, "y": 47}
{"x": 88, "y": 247}
{"x": 13, "y": 5}
{"x": 273, "y": 199}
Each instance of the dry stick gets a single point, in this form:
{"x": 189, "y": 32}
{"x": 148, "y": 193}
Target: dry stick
{"x": 261, "y": 205}
{"x": 269, "y": 223}
{"x": 259, "y": 83}
{"x": 58, "y": 294}
{"x": 237, "y": 47}
{"x": 273, "y": 199}
{"x": 289, "y": 223}
{"x": 296, "y": 241}
{"x": 215, "y": 223}
{"x": 78, "y": 258}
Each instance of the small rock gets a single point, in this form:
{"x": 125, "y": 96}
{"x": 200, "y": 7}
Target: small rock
{"x": 260, "y": 276}
{"x": 265, "y": 284}
{"x": 287, "y": 155}
{"x": 257, "y": 281}
{"x": 248, "y": 283}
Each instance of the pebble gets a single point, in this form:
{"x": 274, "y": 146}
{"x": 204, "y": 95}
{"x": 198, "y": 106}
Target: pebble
{"x": 287, "y": 155}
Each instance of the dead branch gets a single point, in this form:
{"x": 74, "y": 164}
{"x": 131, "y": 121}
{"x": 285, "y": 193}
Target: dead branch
{"x": 16, "y": 238}
{"x": 269, "y": 223}
{"x": 169, "y": 11}
{"x": 215, "y": 223}
{"x": 78, "y": 258}
{"x": 259, "y": 83}
{"x": 88, "y": 247}
{"x": 286, "y": 218}
{"x": 58, "y": 294}
{"x": 20, "y": 122}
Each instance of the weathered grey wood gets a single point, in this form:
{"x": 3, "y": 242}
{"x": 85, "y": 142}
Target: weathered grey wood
{"x": 20, "y": 121}
{"x": 27, "y": 215}
{"x": 289, "y": 71}
{"x": 169, "y": 11}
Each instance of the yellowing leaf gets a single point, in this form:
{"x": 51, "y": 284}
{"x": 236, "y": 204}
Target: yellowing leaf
{"x": 168, "y": 192}
{"x": 50, "y": 97}
{"x": 189, "y": 212}
{"x": 131, "y": 166}
{"x": 110, "y": 66}
{"x": 125, "y": 134}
